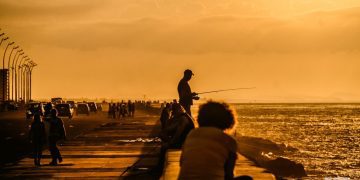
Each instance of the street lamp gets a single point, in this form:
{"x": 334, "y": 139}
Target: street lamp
{"x": 18, "y": 83}
{"x": 22, "y": 81}
{"x": 22, "y": 78}
{"x": 3, "y": 39}
{"x": 27, "y": 80}
{"x": 16, "y": 79}
{"x": 30, "y": 85}
{"x": 12, "y": 72}
{"x": 8, "y": 82}
{"x": 9, "y": 44}
{"x": 18, "y": 52}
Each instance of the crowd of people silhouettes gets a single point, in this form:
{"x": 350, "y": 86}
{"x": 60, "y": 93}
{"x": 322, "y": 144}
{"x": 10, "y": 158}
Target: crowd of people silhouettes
{"x": 121, "y": 109}
{"x": 207, "y": 139}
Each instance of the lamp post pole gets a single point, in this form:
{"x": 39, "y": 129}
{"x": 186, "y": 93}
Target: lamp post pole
{"x": 8, "y": 82}
{"x": 3, "y": 73}
{"x": 1, "y": 38}
{"x": 22, "y": 82}
{"x": 20, "y": 76}
{"x": 30, "y": 78}
{"x": 19, "y": 53}
{"x": 25, "y": 82}
{"x": 22, "y": 79}
{"x": 16, "y": 77}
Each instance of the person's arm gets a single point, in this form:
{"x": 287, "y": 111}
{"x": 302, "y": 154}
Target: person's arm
{"x": 43, "y": 132}
{"x": 230, "y": 165}
{"x": 31, "y": 134}
{"x": 63, "y": 131}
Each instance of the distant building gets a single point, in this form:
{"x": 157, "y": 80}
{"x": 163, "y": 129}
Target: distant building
{"x": 4, "y": 89}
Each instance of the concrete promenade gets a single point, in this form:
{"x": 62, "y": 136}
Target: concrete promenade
{"x": 120, "y": 149}
{"x": 243, "y": 167}
{"x": 107, "y": 152}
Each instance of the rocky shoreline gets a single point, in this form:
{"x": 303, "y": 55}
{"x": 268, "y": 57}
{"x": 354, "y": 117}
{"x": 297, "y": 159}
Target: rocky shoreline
{"x": 268, "y": 155}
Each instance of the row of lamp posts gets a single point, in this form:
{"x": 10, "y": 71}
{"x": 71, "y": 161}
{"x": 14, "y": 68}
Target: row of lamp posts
{"x": 18, "y": 71}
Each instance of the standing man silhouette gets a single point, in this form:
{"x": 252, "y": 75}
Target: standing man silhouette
{"x": 186, "y": 97}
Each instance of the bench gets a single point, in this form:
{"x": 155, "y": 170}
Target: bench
{"x": 243, "y": 167}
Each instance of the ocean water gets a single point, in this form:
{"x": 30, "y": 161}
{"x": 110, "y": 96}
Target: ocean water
{"x": 326, "y": 135}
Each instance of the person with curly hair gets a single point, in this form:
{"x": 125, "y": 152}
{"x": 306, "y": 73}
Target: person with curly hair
{"x": 209, "y": 152}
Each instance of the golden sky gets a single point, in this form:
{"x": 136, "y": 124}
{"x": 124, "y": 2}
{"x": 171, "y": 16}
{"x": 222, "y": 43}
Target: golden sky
{"x": 291, "y": 50}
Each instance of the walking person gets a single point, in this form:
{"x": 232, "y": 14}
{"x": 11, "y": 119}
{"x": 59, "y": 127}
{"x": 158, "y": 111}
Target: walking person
{"x": 56, "y": 133}
{"x": 113, "y": 111}
{"x": 110, "y": 111}
{"x": 129, "y": 108}
{"x": 132, "y": 109}
{"x": 186, "y": 97}
{"x": 119, "y": 109}
{"x": 37, "y": 138}
{"x": 123, "y": 110}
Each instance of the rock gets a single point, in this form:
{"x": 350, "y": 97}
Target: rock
{"x": 265, "y": 153}
{"x": 261, "y": 145}
{"x": 285, "y": 168}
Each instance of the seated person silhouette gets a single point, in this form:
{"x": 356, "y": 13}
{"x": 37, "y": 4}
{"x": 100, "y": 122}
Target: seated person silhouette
{"x": 209, "y": 152}
{"x": 177, "y": 128}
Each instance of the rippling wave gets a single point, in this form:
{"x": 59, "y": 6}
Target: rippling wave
{"x": 327, "y": 135}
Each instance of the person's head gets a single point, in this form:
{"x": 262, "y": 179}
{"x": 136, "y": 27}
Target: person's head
{"x": 168, "y": 106}
{"x": 48, "y": 105}
{"x": 188, "y": 74}
{"x": 216, "y": 114}
{"x": 53, "y": 113}
{"x": 37, "y": 118}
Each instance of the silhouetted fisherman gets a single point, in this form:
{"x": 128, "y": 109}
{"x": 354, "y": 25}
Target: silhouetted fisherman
{"x": 186, "y": 97}
{"x": 37, "y": 138}
{"x": 56, "y": 133}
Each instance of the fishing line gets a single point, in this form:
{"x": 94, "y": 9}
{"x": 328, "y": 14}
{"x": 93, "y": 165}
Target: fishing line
{"x": 223, "y": 90}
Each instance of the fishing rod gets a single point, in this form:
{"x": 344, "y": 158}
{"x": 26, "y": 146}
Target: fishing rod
{"x": 223, "y": 90}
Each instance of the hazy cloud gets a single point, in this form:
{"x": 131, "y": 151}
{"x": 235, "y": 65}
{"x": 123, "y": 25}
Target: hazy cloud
{"x": 318, "y": 32}
{"x": 284, "y": 47}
